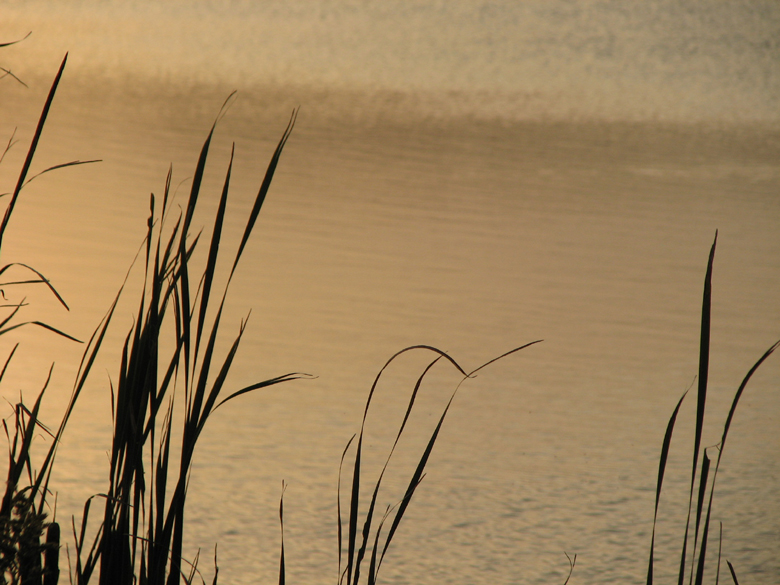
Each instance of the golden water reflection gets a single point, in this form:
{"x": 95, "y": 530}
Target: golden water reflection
{"x": 385, "y": 231}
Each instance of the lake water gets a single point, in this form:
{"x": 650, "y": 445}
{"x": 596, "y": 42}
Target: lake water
{"x": 468, "y": 175}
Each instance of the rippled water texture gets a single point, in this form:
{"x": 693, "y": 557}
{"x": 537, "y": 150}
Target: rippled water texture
{"x": 468, "y": 175}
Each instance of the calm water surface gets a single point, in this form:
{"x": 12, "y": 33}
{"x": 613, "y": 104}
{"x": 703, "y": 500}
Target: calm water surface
{"x": 469, "y": 176}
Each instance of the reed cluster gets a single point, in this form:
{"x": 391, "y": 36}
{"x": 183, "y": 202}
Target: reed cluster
{"x": 140, "y": 536}
{"x": 169, "y": 360}
{"x": 700, "y": 475}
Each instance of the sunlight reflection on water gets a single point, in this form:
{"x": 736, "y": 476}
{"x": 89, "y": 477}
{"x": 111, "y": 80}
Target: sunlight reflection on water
{"x": 393, "y": 223}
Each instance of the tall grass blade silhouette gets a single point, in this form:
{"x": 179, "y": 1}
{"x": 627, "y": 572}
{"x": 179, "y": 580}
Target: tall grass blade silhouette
{"x": 31, "y": 151}
{"x": 721, "y": 447}
{"x": 282, "y": 570}
{"x": 720, "y": 551}
{"x": 733, "y": 573}
{"x": 701, "y": 397}
{"x": 661, "y": 469}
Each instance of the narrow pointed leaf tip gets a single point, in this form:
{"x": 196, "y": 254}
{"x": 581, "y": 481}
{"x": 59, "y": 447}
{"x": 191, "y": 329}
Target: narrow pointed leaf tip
{"x": 266, "y": 184}
{"x": 282, "y": 570}
{"x": 8, "y": 44}
{"x": 33, "y": 145}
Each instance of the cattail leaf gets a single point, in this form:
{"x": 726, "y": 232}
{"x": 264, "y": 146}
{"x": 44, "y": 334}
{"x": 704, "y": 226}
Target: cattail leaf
{"x": 211, "y": 263}
{"x": 354, "y": 501}
{"x": 738, "y": 395}
{"x": 266, "y": 184}
{"x": 369, "y": 516}
{"x": 72, "y": 163}
{"x": 703, "y": 548}
{"x": 720, "y": 550}
{"x": 31, "y": 152}
{"x": 703, "y": 477}
{"x": 415, "y": 481}
{"x": 733, "y": 572}
{"x": 41, "y": 279}
{"x": 338, "y": 504}
{"x": 281, "y": 524}
{"x": 8, "y": 44}
{"x": 704, "y": 358}
{"x": 39, "y": 324}
{"x": 265, "y": 384}
{"x": 661, "y": 469}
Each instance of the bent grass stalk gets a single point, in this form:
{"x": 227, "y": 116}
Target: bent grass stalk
{"x": 356, "y": 551}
